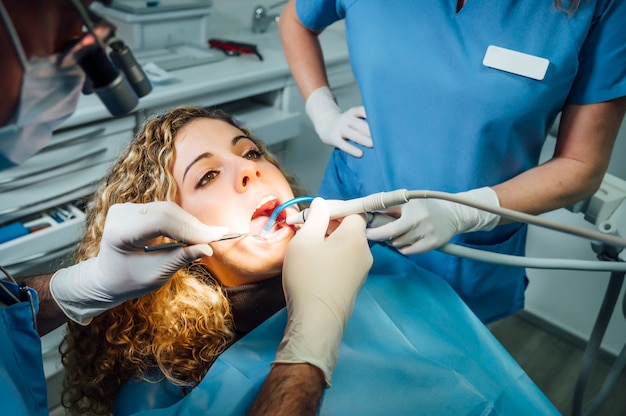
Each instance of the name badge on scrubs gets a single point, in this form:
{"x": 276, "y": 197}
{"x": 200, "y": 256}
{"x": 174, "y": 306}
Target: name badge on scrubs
{"x": 518, "y": 63}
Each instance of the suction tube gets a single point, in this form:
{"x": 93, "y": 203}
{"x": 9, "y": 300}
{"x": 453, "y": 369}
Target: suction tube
{"x": 278, "y": 210}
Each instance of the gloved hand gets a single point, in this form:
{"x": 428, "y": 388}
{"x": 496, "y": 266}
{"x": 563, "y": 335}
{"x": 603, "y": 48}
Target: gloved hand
{"x": 122, "y": 270}
{"x": 426, "y": 224}
{"x": 335, "y": 127}
{"x": 321, "y": 278}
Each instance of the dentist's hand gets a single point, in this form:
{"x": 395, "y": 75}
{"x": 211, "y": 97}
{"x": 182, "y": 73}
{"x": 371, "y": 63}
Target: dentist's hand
{"x": 122, "y": 270}
{"x": 427, "y": 224}
{"x": 336, "y": 128}
{"x": 321, "y": 278}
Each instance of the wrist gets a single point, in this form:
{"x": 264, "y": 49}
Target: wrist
{"x": 314, "y": 342}
{"x": 77, "y": 293}
{"x": 474, "y": 219}
{"x": 320, "y": 104}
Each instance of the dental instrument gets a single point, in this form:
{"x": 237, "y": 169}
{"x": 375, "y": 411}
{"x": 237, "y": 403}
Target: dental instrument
{"x": 367, "y": 204}
{"x": 263, "y": 236}
{"x": 280, "y": 208}
{"x": 176, "y": 244}
{"x": 382, "y": 200}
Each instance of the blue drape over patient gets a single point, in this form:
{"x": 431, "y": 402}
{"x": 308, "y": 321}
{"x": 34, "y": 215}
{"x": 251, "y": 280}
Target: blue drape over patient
{"x": 411, "y": 347}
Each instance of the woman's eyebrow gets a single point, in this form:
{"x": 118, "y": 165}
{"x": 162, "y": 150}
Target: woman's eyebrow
{"x": 208, "y": 154}
{"x": 197, "y": 159}
{"x": 237, "y": 138}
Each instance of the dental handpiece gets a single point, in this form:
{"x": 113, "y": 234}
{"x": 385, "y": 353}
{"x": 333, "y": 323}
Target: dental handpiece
{"x": 370, "y": 203}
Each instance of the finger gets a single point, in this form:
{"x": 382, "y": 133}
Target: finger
{"x": 351, "y": 226}
{"x": 360, "y": 125}
{"x": 348, "y": 148}
{"x": 197, "y": 251}
{"x": 168, "y": 262}
{"x": 169, "y": 219}
{"x": 388, "y": 231}
{"x": 359, "y": 138}
{"x": 410, "y": 237}
{"x": 378, "y": 234}
{"x": 317, "y": 220}
{"x": 203, "y": 233}
{"x": 187, "y": 254}
{"x": 393, "y": 212}
{"x": 421, "y": 246}
{"x": 358, "y": 112}
{"x": 378, "y": 218}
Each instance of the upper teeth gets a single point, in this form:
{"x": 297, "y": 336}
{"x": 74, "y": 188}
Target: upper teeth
{"x": 265, "y": 200}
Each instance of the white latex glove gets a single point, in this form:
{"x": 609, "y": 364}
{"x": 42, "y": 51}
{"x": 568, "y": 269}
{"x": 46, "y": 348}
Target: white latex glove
{"x": 427, "y": 224}
{"x": 122, "y": 270}
{"x": 335, "y": 127}
{"x": 321, "y": 278}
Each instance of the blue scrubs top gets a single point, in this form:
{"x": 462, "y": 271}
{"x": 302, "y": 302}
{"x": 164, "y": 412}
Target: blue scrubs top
{"x": 441, "y": 120}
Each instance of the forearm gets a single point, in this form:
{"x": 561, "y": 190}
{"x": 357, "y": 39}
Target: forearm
{"x": 50, "y": 316}
{"x": 290, "y": 389}
{"x": 553, "y": 185}
{"x": 303, "y": 52}
{"x": 584, "y": 144}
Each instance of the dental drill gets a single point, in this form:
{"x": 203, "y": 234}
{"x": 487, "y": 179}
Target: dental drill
{"x": 367, "y": 204}
{"x": 373, "y": 203}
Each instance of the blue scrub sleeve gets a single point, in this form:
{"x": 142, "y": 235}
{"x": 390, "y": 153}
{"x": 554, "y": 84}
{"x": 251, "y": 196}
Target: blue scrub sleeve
{"x": 316, "y": 15}
{"x": 22, "y": 379}
{"x": 602, "y": 72}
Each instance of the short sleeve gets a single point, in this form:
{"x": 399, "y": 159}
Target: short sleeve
{"x": 318, "y": 14}
{"x": 602, "y": 59}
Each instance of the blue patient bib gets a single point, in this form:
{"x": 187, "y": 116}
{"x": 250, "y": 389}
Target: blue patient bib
{"x": 411, "y": 347}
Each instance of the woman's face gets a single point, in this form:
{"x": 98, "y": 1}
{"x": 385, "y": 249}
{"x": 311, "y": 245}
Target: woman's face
{"x": 223, "y": 180}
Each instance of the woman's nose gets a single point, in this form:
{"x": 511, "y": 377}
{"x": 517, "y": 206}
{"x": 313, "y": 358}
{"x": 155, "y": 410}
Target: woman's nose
{"x": 248, "y": 173}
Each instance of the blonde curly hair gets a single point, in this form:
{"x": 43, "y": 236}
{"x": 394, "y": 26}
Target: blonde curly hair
{"x": 180, "y": 328}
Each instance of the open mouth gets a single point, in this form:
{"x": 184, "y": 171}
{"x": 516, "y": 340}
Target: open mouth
{"x": 261, "y": 215}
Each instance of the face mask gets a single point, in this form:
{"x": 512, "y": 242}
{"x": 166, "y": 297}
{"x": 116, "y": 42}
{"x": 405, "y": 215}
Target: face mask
{"x": 49, "y": 95}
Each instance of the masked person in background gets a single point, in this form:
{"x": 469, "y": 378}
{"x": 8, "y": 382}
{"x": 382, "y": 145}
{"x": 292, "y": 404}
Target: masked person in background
{"x": 457, "y": 100}
{"x": 40, "y": 92}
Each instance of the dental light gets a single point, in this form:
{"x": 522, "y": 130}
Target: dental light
{"x": 116, "y": 78}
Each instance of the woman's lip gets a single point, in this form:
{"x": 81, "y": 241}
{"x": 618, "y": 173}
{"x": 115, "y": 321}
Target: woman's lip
{"x": 279, "y": 233}
{"x": 279, "y": 222}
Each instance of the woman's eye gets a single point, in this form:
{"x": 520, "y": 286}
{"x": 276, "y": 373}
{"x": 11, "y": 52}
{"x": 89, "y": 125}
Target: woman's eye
{"x": 206, "y": 178}
{"x": 253, "y": 154}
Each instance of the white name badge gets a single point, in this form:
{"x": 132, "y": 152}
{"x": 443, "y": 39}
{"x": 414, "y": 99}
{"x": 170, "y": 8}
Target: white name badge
{"x": 515, "y": 62}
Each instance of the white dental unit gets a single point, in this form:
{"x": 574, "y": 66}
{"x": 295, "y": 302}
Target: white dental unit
{"x": 173, "y": 36}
